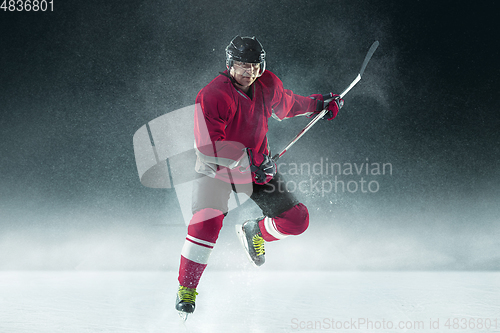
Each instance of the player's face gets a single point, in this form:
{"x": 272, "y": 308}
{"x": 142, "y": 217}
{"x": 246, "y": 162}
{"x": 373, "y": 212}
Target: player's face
{"x": 245, "y": 73}
{"x": 246, "y": 68}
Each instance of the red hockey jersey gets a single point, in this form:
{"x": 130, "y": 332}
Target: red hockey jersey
{"x": 227, "y": 121}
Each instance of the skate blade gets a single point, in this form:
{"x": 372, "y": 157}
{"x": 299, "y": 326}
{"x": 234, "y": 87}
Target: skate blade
{"x": 183, "y": 315}
{"x": 243, "y": 241}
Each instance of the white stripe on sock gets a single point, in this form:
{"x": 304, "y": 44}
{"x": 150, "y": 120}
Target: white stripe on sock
{"x": 271, "y": 228}
{"x": 197, "y": 240}
{"x": 195, "y": 252}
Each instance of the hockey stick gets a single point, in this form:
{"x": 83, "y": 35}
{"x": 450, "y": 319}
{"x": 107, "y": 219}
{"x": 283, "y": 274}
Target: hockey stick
{"x": 322, "y": 113}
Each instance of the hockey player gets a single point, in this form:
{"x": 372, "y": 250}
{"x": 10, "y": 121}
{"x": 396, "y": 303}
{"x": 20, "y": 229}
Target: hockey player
{"x": 231, "y": 123}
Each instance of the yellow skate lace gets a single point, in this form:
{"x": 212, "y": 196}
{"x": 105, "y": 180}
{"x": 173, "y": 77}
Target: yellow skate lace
{"x": 258, "y": 244}
{"x": 187, "y": 295}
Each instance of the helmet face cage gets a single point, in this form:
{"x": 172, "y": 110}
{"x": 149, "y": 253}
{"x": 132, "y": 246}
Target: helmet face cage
{"x": 246, "y": 50}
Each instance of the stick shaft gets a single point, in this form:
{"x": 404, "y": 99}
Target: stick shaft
{"x": 301, "y": 133}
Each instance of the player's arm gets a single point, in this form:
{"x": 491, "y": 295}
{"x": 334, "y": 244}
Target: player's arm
{"x": 287, "y": 104}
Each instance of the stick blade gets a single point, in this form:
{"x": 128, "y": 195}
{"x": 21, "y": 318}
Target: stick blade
{"x": 371, "y": 51}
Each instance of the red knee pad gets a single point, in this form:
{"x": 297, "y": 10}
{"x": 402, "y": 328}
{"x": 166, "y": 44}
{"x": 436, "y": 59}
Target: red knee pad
{"x": 206, "y": 224}
{"x": 294, "y": 221}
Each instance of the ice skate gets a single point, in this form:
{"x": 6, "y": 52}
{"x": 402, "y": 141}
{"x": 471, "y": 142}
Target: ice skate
{"x": 185, "y": 302}
{"x": 251, "y": 238}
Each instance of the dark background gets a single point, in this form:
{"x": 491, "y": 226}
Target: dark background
{"x": 76, "y": 84}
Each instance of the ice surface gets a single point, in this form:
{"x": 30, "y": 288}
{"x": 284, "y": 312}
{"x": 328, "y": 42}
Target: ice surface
{"x": 243, "y": 301}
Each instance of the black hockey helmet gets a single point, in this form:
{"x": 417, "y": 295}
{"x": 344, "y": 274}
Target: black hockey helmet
{"x": 246, "y": 49}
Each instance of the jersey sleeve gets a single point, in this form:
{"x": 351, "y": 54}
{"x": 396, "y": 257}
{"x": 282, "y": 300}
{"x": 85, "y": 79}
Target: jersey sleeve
{"x": 212, "y": 113}
{"x": 286, "y": 104}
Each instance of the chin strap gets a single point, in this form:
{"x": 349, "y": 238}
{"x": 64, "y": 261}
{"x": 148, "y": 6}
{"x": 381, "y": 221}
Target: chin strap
{"x": 230, "y": 77}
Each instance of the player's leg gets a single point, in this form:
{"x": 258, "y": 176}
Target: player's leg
{"x": 210, "y": 198}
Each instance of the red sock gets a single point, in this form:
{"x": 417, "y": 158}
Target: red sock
{"x": 203, "y": 231}
{"x": 190, "y": 273}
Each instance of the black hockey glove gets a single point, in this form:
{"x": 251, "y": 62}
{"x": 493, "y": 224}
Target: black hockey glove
{"x": 262, "y": 167}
